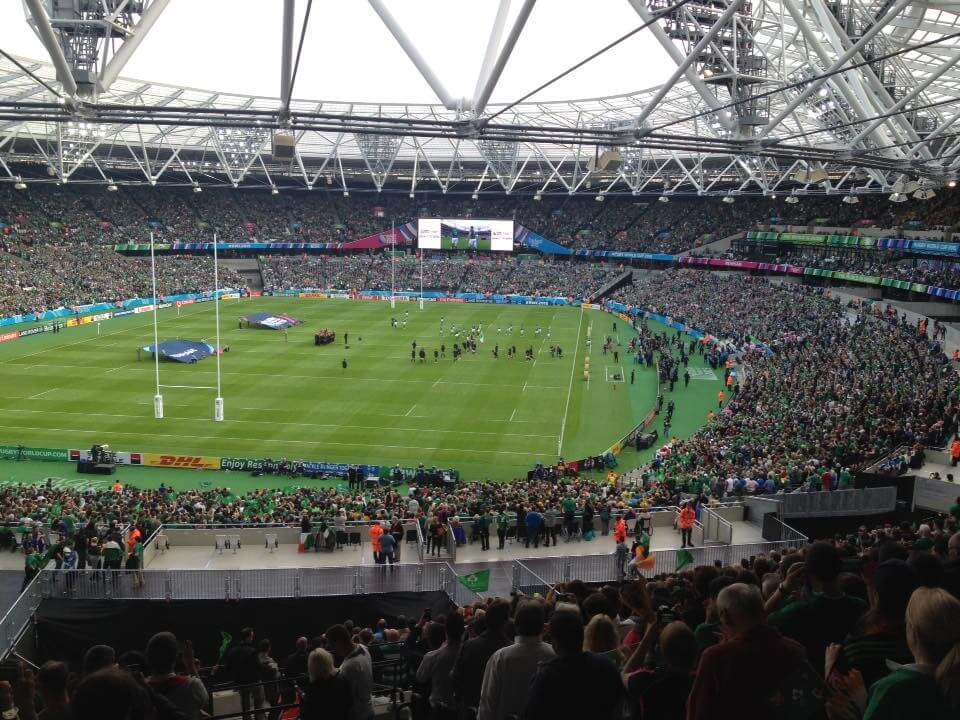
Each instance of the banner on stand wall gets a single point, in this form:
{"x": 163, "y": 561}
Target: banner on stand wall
{"x": 192, "y": 462}
{"x": 21, "y": 452}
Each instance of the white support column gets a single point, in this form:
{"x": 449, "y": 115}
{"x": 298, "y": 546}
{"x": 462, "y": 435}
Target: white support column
{"x": 493, "y": 44}
{"x": 157, "y": 397}
{"x": 864, "y": 82}
{"x": 127, "y": 48}
{"x": 49, "y": 39}
{"x": 491, "y": 81}
{"x": 944, "y": 68}
{"x": 839, "y": 63}
{"x": 682, "y": 68}
{"x": 218, "y": 401}
{"x": 286, "y": 57}
{"x": 414, "y": 54}
{"x": 724, "y": 116}
{"x": 814, "y": 42}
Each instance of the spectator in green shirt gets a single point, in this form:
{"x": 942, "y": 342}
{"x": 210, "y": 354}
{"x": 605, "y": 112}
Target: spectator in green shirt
{"x": 930, "y": 686}
{"x": 822, "y": 613}
{"x": 955, "y": 510}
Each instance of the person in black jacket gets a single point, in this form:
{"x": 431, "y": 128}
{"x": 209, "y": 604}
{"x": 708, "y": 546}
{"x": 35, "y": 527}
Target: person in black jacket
{"x": 575, "y": 684}
{"x": 327, "y": 694}
{"x": 243, "y": 669}
{"x": 470, "y": 665}
{"x": 294, "y": 668}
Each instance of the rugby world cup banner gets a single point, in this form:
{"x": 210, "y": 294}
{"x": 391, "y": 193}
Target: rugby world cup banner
{"x": 13, "y": 452}
{"x": 191, "y": 462}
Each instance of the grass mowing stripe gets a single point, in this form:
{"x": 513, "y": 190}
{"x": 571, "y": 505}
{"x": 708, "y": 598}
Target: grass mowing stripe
{"x": 299, "y": 442}
{"x": 301, "y": 403}
{"x": 573, "y": 369}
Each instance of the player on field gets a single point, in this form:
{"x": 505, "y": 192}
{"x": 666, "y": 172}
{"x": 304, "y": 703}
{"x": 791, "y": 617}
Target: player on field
{"x": 472, "y": 240}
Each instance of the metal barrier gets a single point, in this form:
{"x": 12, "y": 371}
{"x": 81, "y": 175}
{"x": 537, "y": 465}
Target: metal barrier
{"x": 240, "y": 584}
{"x": 867, "y": 501}
{"x": 775, "y": 530}
{"x": 754, "y": 507}
{"x": 715, "y": 528}
{"x": 18, "y": 617}
{"x": 451, "y": 543}
{"x": 456, "y": 590}
{"x": 526, "y": 581}
{"x": 541, "y": 574}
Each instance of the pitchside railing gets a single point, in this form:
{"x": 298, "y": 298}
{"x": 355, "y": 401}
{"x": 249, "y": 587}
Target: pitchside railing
{"x": 539, "y": 574}
{"x": 167, "y": 585}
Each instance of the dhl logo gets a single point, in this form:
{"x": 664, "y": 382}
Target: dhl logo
{"x": 195, "y": 462}
{"x": 186, "y": 461}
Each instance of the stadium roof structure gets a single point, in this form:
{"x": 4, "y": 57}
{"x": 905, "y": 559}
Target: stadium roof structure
{"x": 793, "y": 96}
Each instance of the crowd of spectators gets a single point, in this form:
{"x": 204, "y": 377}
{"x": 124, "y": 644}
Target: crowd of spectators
{"x": 860, "y": 625}
{"x": 444, "y": 273}
{"x": 887, "y": 264}
{"x": 37, "y": 276}
{"x": 827, "y": 395}
{"x": 92, "y": 215}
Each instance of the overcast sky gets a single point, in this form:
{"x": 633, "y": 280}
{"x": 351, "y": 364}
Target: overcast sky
{"x": 234, "y": 46}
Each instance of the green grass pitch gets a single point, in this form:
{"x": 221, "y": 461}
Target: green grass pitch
{"x": 285, "y": 397}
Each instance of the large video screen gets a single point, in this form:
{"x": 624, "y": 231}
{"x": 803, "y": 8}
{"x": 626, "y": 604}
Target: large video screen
{"x": 469, "y": 234}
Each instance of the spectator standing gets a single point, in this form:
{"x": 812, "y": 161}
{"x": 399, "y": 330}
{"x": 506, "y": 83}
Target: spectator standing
{"x": 186, "y": 692}
{"x": 356, "y": 668}
{"x": 575, "y": 684}
{"x": 472, "y": 662}
{"x": 881, "y": 635}
{"x": 930, "y": 686}
{"x": 327, "y": 694}
{"x": 388, "y": 548}
{"x": 661, "y": 693}
{"x": 718, "y": 690}
{"x": 295, "y": 667}
{"x": 52, "y": 688}
{"x": 823, "y": 614}
{"x": 437, "y": 667}
{"x": 243, "y": 669}
{"x": 269, "y": 676}
{"x": 510, "y": 670}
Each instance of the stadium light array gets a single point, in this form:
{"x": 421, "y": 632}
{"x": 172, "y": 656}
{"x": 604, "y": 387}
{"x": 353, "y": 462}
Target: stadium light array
{"x": 952, "y": 184}
{"x": 663, "y": 199}
{"x": 197, "y": 188}
{"x": 924, "y": 194}
{"x": 729, "y": 199}
{"x": 793, "y": 199}
{"x": 898, "y": 197}
{"x": 111, "y": 187}
{"x": 274, "y": 191}
{"x": 599, "y": 198}
{"x": 850, "y": 199}
{"x": 19, "y": 184}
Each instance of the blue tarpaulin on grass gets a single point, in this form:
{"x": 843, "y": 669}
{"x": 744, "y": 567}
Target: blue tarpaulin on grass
{"x": 271, "y": 321}
{"x": 184, "y": 351}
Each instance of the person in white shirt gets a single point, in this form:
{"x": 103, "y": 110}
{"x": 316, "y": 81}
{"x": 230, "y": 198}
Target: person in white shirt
{"x": 356, "y": 668}
{"x": 438, "y": 664}
{"x": 510, "y": 670}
